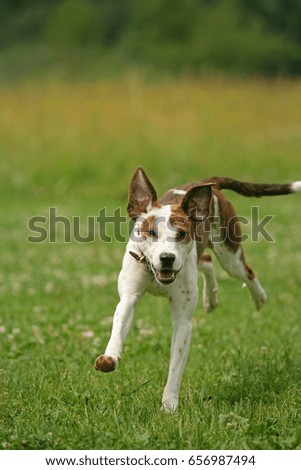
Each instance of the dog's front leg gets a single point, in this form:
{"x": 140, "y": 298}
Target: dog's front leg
{"x": 131, "y": 285}
{"x": 181, "y": 311}
{"x": 122, "y": 321}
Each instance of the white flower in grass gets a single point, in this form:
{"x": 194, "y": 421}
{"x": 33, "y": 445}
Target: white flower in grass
{"x": 147, "y": 332}
{"x": 96, "y": 342}
{"x": 107, "y": 321}
{"x": 37, "y": 309}
{"x": 49, "y": 287}
{"x": 88, "y": 334}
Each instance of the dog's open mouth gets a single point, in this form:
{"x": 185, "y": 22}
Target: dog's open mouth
{"x": 165, "y": 276}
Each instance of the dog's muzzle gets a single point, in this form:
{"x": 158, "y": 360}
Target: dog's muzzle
{"x": 165, "y": 276}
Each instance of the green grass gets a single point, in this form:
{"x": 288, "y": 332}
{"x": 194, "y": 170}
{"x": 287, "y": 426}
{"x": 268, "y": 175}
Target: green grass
{"x": 75, "y": 147}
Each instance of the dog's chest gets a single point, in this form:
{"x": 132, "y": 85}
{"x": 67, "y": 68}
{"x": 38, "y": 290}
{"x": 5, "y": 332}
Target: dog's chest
{"x": 154, "y": 288}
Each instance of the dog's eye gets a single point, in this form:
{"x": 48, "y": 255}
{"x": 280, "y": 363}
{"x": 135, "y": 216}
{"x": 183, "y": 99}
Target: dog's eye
{"x": 180, "y": 235}
{"x": 152, "y": 233}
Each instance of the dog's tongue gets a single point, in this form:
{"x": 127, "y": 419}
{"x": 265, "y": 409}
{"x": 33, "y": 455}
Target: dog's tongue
{"x": 167, "y": 276}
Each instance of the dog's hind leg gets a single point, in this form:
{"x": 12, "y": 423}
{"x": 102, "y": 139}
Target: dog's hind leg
{"x": 210, "y": 286}
{"x": 233, "y": 262}
{"x": 225, "y": 240}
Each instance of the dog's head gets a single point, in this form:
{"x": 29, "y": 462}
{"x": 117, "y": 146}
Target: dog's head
{"x": 166, "y": 233}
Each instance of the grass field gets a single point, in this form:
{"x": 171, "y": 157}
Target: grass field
{"x": 75, "y": 147}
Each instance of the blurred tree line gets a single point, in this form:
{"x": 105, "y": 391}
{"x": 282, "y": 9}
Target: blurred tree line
{"x": 193, "y": 36}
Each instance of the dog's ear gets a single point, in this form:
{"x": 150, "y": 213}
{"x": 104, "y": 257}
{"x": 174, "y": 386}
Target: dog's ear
{"x": 197, "y": 202}
{"x": 142, "y": 194}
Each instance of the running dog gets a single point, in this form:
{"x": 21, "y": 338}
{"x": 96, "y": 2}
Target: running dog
{"x": 165, "y": 252}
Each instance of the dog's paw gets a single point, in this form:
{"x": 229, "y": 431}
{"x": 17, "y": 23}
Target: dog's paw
{"x": 210, "y": 299}
{"x": 210, "y": 304}
{"x": 260, "y": 300}
{"x": 106, "y": 363}
{"x": 170, "y": 404}
{"x": 258, "y": 293}
{"x": 259, "y": 296}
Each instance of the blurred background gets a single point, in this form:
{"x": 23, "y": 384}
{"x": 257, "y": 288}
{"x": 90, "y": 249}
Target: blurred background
{"x": 90, "y": 89}
{"x": 92, "y": 38}
{"x": 211, "y": 84}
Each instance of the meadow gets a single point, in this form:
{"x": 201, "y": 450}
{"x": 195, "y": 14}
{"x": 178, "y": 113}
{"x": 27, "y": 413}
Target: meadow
{"x": 74, "y": 146}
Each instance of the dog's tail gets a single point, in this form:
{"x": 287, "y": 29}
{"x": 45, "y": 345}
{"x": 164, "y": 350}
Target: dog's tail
{"x": 253, "y": 189}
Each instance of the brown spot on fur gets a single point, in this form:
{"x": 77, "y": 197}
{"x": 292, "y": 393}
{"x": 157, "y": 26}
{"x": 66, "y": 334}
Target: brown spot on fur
{"x": 248, "y": 267}
{"x": 229, "y": 225}
{"x": 147, "y": 225}
{"x": 171, "y": 198}
{"x": 180, "y": 222}
{"x": 105, "y": 363}
{"x": 250, "y": 272}
{"x": 206, "y": 258}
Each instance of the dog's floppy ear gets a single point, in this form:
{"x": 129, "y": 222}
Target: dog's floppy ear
{"x": 197, "y": 201}
{"x": 142, "y": 194}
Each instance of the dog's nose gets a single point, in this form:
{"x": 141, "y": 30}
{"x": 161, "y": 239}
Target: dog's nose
{"x": 167, "y": 260}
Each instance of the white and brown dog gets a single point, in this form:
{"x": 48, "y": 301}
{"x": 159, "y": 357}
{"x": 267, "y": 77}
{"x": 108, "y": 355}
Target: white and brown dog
{"x": 165, "y": 252}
